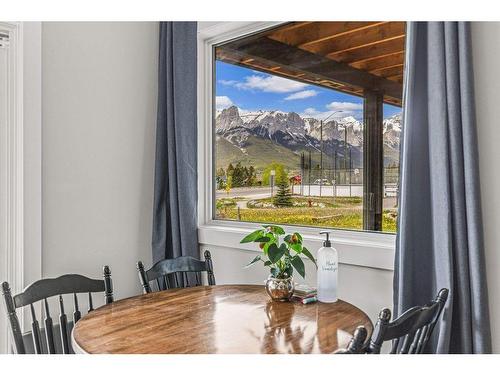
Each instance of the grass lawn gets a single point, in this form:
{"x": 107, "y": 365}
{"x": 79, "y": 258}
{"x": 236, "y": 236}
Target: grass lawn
{"x": 344, "y": 212}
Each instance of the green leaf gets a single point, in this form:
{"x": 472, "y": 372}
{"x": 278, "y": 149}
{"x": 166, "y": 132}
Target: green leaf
{"x": 283, "y": 247}
{"x": 275, "y": 229}
{"x": 308, "y": 254}
{"x": 287, "y": 238}
{"x": 298, "y": 264}
{"x": 256, "y": 259}
{"x": 297, "y": 247}
{"x": 262, "y": 239}
{"x": 267, "y": 263}
{"x": 253, "y": 236}
{"x": 275, "y": 253}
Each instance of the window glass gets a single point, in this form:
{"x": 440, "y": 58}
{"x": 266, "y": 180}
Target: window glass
{"x": 289, "y": 125}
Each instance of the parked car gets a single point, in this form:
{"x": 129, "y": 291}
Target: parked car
{"x": 320, "y": 181}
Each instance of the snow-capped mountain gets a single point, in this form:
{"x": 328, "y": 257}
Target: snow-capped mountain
{"x": 298, "y": 134}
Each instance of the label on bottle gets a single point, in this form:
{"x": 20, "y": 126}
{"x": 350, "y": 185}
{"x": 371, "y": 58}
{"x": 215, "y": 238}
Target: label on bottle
{"x": 329, "y": 266}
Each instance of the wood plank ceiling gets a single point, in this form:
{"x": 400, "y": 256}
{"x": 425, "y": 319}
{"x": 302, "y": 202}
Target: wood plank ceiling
{"x": 351, "y": 57}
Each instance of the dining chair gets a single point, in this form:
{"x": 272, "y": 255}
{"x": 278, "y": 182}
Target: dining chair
{"x": 40, "y": 291}
{"x": 411, "y": 331}
{"x": 178, "y": 272}
{"x": 357, "y": 343}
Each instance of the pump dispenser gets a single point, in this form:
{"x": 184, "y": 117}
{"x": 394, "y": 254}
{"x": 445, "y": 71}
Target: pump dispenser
{"x": 327, "y": 271}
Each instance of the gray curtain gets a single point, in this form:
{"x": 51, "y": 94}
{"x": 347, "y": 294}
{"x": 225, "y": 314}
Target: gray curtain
{"x": 440, "y": 239}
{"x": 175, "y": 189}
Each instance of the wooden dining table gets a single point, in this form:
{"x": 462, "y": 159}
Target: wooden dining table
{"x": 216, "y": 319}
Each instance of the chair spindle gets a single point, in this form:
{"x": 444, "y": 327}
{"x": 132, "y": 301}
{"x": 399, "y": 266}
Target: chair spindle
{"x": 143, "y": 278}
{"x": 91, "y": 304}
{"x": 108, "y": 286}
{"x": 414, "y": 344}
{"x": 210, "y": 268}
{"x": 177, "y": 285}
{"x": 167, "y": 283}
{"x": 35, "y": 331}
{"x": 49, "y": 330}
{"x": 63, "y": 325}
{"x": 76, "y": 314}
{"x": 406, "y": 343}
{"x": 395, "y": 344}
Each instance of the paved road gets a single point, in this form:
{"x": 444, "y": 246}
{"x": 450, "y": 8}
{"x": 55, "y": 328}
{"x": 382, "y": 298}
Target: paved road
{"x": 265, "y": 192}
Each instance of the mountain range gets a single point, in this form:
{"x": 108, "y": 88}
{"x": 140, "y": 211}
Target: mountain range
{"x": 260, "y": 137}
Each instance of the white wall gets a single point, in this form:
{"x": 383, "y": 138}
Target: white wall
{"x": 486, "y": 55}
{"x": 99, "y": 99}
{"x": 99, "y": 114}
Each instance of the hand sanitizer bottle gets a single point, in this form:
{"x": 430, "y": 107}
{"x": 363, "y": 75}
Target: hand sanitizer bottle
{"x": 327, "y": 271}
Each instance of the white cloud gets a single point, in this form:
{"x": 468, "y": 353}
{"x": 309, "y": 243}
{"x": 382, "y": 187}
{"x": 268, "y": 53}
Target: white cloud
{"x": 302, "y": 95}
{"x": 345, "y": 106}
{"x": 322, "y": 115}
{"x": 222, "y": 102}
{"x": 270, "y": 84}
{"x": 227, "y": 82}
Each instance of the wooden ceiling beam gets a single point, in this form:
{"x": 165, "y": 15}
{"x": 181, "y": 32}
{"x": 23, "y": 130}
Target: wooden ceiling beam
{"x": 379, "y": 61}
{"x": 397, "y": 77}
{"x": 316, "y": 32}
{"x": 390, "y": 71}
{"x": 373, "y": 43}
{"x": 374, "y": 50}
{"x": 289, "y": 26}
{"x": 349, "y": 29}
{"x": 359, "y": 39}
{"x": 274, "y": 53}
{"x": 362, "y": 60}
{"x": 382, "y": 69}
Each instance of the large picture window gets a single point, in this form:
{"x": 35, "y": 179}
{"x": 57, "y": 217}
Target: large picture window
{"x": 307, "y": 125}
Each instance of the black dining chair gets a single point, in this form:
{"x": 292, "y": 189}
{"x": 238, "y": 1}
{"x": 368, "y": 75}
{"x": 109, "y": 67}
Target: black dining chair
{"x": 357, "y": 343}
{"x": 411, "y": 331}
{"x": 52, "y": 338}
{"x": 178, "y": 272}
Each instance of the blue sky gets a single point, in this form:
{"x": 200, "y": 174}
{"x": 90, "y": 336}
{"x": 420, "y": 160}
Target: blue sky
{"x": 252, "y": 90}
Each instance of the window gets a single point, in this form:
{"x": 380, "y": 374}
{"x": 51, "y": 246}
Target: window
{"x": 307, "y": 124}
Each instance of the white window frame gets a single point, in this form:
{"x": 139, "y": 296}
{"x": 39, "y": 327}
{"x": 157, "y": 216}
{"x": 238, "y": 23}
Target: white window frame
{"x": 368, "y": 249}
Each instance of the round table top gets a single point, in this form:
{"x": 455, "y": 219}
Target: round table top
{"x": 217, "y": 319}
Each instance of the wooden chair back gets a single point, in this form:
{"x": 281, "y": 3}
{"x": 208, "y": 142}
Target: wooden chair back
{"x": 179, "y": 272}
{"x": 411, "y": 331}
{"x": 40, "y": 291}
{"x": 357, "y": 343}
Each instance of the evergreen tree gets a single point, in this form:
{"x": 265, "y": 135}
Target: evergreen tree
{"x": 229, "y": 170}
{"x": 238, "y": 176}
{"x": 283, "y": 197}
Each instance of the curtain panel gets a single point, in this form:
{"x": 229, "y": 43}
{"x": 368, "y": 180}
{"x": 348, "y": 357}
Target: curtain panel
{"x": 175, "y": 187}
{"x": 440, "y": 239}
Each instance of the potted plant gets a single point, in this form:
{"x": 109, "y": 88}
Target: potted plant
{"x": 281, "y": 257}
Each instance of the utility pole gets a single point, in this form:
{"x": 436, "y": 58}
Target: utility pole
{"x": 345, "y": 153}
{"x": 350, "y": 171}
{"x": 321, "y": 157}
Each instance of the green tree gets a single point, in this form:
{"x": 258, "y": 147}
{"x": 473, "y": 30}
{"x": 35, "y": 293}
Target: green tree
{"x": 229, "y": 184}
{"x": 229, "y": 170}
{"x": 283, "y": 197}
{"x": 220, "y": 172}
{"x": 238, "y": 176}
{"x": 281, "y": 174}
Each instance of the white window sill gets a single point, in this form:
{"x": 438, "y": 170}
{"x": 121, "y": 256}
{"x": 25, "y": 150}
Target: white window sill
{"x": 365, "y": 249}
